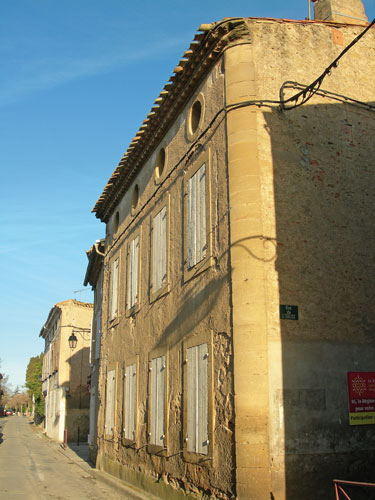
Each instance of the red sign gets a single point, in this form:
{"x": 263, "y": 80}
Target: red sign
{"x": 361, "y": 392}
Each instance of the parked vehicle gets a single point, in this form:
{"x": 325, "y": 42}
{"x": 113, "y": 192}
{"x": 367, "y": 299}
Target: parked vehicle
{"x": 8, "y": 412}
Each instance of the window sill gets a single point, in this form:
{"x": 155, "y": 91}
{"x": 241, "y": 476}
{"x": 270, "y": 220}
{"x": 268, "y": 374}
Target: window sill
{"x": 198, "y": 458}
{"x": 112, "y": 323}
{"x": 199, "y": 268}
{"x": 131, "y": 311}
{"x": 129, "y": 443}
{"x": 164, "y": 290}
{"x": 155, "y": 449}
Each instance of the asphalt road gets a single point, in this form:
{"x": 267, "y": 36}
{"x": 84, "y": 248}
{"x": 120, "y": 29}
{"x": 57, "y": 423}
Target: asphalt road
{"x": 32, "y": 467}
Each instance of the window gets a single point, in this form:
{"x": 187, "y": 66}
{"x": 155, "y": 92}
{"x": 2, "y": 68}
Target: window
{"x": 196, "y": 213}
{"x": 159, "y": 252}
{"x": 135, "y": 198}
{"x": 130, "y": 403}
{"x": 197, "y": 235}
{"x": 133, "y": 274}
{"x": 98, "y": 334}
{"x": 195, "y": 118}
{"x": 116, "y": 222}
{"x": 157, "y": 404}
{"x": 110, "y": 403}
{"x": 160, "y": 164}
{"x": 197, "y": 398}
{"x": 114, "y": 291}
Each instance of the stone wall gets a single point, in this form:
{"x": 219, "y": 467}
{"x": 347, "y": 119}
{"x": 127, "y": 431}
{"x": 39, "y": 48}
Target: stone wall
{"x": 191, "y": 307}
{"x": 316, "y": 166}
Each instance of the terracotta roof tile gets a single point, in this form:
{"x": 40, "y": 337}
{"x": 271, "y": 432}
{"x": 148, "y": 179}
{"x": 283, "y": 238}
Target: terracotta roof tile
{"x": 203, "y": 51}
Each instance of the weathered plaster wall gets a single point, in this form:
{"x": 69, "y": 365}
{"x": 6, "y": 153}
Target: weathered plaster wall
{"x": 194, "y": 307}
{"x": 300, "y": 234}
{"x": 74, "y": 368}
{"x": 316, "y": 170}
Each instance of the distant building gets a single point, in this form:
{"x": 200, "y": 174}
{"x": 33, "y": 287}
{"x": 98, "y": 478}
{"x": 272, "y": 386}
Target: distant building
{"x": 238, "y": 269}
{"x": 65, "y": 370}
{"x": 94, "y": 277}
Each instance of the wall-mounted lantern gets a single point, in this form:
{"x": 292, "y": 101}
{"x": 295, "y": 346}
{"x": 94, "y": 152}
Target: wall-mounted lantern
{"x": 72, "y": 341}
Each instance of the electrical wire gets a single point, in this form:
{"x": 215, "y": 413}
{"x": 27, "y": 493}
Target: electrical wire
{"x": 306, "y": 93}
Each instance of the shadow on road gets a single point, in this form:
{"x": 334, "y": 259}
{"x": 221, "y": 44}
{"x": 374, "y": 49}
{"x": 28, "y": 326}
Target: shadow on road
{"x": 81, "y": 451}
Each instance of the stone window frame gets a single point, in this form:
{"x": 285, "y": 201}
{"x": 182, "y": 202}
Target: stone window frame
{"x": 114, "y": 319}
{"x": 189, "y": 456}
{"x": 189, "y": 133}
{"x": 165, "y": 288}
{"x": 131, "y": 310}
{"x": 154, "y": 448}
{"x": 203, "y": 159}
{"x": 110, "y": 436}
{"x": 158, "y": 178}
{"x": 133, "y": 360}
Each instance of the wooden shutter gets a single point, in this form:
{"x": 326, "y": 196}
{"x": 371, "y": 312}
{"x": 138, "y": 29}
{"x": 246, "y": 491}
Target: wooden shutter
{"x": 196, "y": 211}
{"x": 98, "y": 334}
{"x": 130, "y": 400}
{"x": 133, "y": 272}
{"x": 197, "y": 399}
{"x": 110, "y": 402}
{"x": 157, "y": 400}
{"x": 159, "y": 246}
{"x": 114, "y": 289}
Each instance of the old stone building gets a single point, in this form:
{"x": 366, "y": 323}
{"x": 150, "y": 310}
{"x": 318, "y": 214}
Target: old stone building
{"x": 94, "y": 277}
{"x": 65, "y": 370}
{"x": 238, "y": 266}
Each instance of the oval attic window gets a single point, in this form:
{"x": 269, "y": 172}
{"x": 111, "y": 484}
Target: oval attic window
{"x": 195, "y": 116}
{"x": 116, "y": 222}
{"x": 160, "y": 163}
{"x": 135, "y": 197}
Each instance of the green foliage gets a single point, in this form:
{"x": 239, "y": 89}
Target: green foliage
{"x": 5, "y": 387}
{"x": 34, "y": 382}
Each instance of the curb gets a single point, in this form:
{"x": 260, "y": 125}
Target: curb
{"x": 132, "y": 492}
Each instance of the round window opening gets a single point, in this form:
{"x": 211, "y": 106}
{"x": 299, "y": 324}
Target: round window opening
{"x": 160, "y": 163}
{"x": 135, "y": 197}
{"x": 116, "y": 222}
{"x": 195, "y": 116}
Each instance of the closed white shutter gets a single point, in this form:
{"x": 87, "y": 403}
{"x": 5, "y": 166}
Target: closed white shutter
{"x": 130, "y": 400}
{"x": 98, "y": 334}
{"x": 133, "y": 272}
{"x": 197, "y": 399}
{"x": 196, "y": 212}
{"x": 114, "y": 289}
{"x": 92, "y": 422}
{"x": 157, "y": 401}
{"x": 110, "y": 402}
{"x": 159, "y": 246}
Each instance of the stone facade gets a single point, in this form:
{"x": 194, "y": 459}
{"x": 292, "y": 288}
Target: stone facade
{"x": 284, "y": 218}
{"x": 94, "y": 277}
{"x": 65, "y": 370}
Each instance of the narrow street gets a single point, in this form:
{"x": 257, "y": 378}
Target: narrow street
{"x": 33, "y": 467}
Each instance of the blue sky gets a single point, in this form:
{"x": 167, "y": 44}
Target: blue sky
{"x": 77, "y": 79}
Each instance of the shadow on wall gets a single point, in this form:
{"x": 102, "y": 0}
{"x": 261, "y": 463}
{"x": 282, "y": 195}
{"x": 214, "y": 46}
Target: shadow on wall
{"x": 77, "y": 394}
{"x": 323, "y": 158}
{"x": 200, "y": 300}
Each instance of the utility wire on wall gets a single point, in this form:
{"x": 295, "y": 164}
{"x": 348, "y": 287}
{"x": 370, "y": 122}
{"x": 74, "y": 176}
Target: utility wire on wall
{"x": 298, "y": 99}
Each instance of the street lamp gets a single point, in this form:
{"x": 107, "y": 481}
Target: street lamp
{"x": 72, "y": 341}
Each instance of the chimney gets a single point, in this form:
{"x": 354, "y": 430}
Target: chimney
{"x": 340, "y": 11}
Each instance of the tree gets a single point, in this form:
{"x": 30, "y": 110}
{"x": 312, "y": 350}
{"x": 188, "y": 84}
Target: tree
{"x": 19, "y": 401}
{"x": 5, "y": 390}
{"x": 34, "y": 384}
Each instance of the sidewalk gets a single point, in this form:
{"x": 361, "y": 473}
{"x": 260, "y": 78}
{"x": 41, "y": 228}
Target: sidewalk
{"x": 79, "y": 455}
